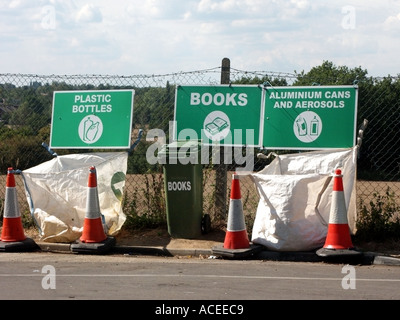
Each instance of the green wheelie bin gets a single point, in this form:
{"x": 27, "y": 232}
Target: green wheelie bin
{"x": 183, "y": 187}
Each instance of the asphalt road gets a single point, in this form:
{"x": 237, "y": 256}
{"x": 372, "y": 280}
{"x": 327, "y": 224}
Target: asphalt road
{"x": 59, "y": 276}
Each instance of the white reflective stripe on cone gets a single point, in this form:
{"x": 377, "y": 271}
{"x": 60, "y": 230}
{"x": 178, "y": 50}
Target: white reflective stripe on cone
{"x": 11, "y": 209}
{"x": 92, "y": 204}
{"x": 235, "y": 216}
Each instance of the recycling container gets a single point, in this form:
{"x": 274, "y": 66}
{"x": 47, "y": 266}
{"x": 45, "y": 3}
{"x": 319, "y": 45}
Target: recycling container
{"x": 183, "y": 185}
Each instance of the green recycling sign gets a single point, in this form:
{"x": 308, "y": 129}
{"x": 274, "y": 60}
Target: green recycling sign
{"x": 317, "y": 117}
{"x": 224, "y": 114}
{"x": 309, "y": 118}
{"x": 92, "y": 119}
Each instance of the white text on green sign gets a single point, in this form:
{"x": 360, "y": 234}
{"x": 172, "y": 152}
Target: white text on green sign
{"x": 224, "y": 114}
{"x": 319, "y": 117}
{"x": 92, "y": 119}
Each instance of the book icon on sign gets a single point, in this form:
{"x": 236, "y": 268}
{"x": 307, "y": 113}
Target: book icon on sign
{"x": 216, "y": 126}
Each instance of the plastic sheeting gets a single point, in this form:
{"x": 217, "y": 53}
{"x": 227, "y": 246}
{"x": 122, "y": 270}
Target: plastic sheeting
{"x": 56, "y": 191}
{"x": 295, "y": 198}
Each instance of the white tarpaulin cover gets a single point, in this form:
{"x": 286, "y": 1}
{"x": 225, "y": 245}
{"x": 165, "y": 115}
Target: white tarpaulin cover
{"x": 56, "y": 191}
{"x": 295, "y": 198}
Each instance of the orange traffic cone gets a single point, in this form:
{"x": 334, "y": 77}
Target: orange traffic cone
{"x": 93, "y": 230}
{"x": 12, "y": 222}
{"x": 236, "y": 243}
{"x": 12, "y": 234}
{"x": 338, "y": 236}
{"x": 338, "y": 240}
{"x": 236, "y": 236}
{"x": 93, "y": 238}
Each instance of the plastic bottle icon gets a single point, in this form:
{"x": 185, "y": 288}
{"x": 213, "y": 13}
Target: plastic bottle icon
{"x": 301, "y": 126}
{"x": 86, "y": 126}
{"x": 90, "y": 129}
{"x": 91, "y": 132}
{"x": 314, "y": 127}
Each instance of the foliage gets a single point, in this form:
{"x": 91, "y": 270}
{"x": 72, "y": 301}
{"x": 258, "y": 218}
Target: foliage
{"x": 329, "y": 74}
{"x": 145, "y": 206}
{"x": 137, "y": 162}
{"x": 17, "y": 145}
{"x": 381, "y": 220}
{"x": 264, "y": 80}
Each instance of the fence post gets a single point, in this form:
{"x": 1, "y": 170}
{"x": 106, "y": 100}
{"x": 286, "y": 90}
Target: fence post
{"x": 221, "y": 170}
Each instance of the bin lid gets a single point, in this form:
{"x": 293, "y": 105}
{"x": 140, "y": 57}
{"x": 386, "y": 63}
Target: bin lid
{"x": 180, "y": 149}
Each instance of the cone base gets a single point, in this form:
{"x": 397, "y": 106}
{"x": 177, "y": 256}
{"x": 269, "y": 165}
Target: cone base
{"x": 253, "y": 249}
{"x": 13, "y": 230}
{"x": 94, "y": 248}
{"x": 93, "y": 231}
{"x": 236, "y": 240}
{"x": 324, "y": 252}
{"x": 338, "y": 237}
{"x": 25, "y": 245}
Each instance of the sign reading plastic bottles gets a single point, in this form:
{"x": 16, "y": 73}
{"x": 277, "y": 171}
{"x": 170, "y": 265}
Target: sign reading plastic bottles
{"x": 319, "y": 117}
{"x": 224, "y": 114}
{"x": 92, "y": 119}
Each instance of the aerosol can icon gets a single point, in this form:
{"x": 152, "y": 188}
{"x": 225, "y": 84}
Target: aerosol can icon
{"x": 314, "y": 126}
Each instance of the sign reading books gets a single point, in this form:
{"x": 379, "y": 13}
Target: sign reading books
{"x": 229, "y": 115}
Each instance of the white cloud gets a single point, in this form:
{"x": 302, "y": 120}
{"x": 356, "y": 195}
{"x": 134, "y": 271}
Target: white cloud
{"x": 392, "y": 24}
{"x": 15, "y": 4}
{"x": 163, "y": 36}
{"x": 89, "y": 13}
{"x": 214, "y": 5}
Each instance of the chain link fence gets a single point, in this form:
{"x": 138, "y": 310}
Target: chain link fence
{"x": 25, "y": 120}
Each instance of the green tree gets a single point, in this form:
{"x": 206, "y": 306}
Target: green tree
{"x": 264, "y": 80}
{"x": 329, "y": 74}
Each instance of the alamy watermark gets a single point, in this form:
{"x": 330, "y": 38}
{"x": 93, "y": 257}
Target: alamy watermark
{"x": 49, "y": 280}
{"x": 233, "y": 149}
{"x": 349, "y": 17}
{"x": 48, "y": 21}
{"x": 349, "y": 280}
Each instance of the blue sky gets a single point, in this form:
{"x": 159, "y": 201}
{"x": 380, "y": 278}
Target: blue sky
{"x": 124, "y": 37}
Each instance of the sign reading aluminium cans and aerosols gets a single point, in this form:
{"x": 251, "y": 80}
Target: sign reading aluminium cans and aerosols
{"x": 317, "y": 117}
{"x": 224, "y": 114}
{"x": 92, "y": 119}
